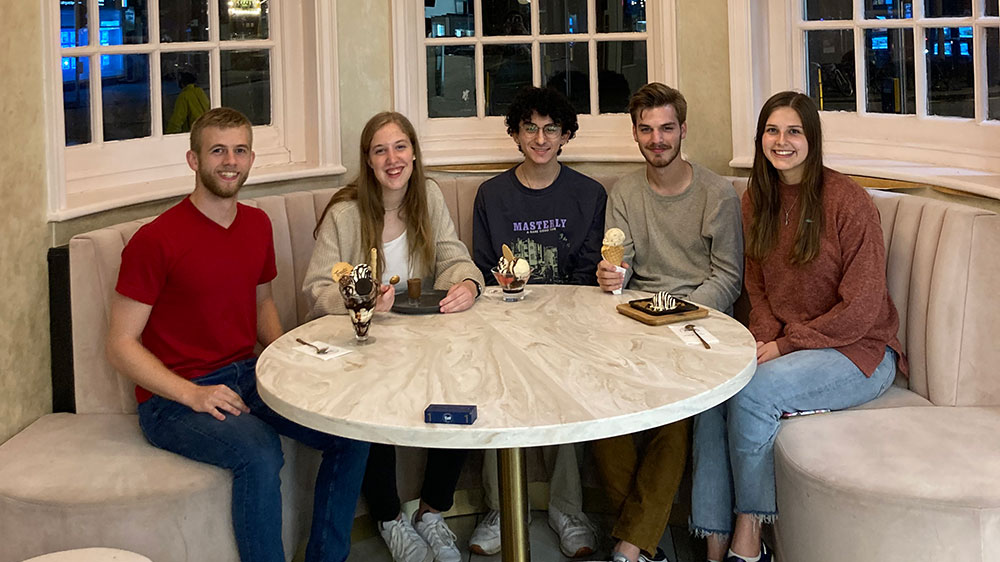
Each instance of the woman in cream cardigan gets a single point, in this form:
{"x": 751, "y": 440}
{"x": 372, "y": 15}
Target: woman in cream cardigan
{"x": 391, "y": 206}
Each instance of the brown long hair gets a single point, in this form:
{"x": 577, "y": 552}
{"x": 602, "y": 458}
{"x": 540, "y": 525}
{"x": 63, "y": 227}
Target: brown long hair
{"x": 366, "y": 190}
{"x": 763, "y": 186}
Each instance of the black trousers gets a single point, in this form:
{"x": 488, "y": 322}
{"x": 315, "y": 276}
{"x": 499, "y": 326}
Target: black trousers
{"x": 441, "y": 473}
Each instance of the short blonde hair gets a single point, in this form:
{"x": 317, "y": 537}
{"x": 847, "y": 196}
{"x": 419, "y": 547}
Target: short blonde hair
{"x": 221, "y": 118}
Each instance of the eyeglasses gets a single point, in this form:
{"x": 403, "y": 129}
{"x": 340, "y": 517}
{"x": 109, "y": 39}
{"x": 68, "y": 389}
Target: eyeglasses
{"x": 551, "y": 130}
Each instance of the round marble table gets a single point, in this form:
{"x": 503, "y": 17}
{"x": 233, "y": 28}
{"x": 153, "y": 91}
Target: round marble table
{"x": 560, "y": 366}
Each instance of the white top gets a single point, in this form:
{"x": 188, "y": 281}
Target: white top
{"x": 397, "y": 261}
{"x": 560, "y": 366}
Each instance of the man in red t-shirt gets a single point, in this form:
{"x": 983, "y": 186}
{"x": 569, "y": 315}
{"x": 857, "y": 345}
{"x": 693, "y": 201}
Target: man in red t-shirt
{"x": 193, "y": 298}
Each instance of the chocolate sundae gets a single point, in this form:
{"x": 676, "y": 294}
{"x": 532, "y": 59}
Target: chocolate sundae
{"x": 360, "y": 292}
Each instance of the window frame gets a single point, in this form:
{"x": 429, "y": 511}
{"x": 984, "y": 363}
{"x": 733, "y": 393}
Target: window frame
{"x": 302, "y": 140}
{"x": 767, "y": 55}
{"x": 605, "y": 138}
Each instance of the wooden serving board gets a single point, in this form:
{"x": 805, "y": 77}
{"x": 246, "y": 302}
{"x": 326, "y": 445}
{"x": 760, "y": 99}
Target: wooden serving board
{"x": 634, "y": 313}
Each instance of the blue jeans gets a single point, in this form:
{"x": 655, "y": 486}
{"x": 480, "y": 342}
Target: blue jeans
{"x": 248, "y": 445}
{"x": 733, "y": 449}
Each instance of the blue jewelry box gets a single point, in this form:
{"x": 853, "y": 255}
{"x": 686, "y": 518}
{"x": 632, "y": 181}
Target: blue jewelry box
{"x": 464, "y": 414}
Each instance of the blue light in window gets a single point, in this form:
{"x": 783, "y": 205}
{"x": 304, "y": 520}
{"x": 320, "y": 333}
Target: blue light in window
{"x": 935, "y": 49}
{"x": 572, "y": 24}
{"x": 908, "y": 10}
{"x": 880, "y": 43}
{"x": 963, "y": 49}
{"x": 965, "y": 32}
{"x": 947, "y": 49}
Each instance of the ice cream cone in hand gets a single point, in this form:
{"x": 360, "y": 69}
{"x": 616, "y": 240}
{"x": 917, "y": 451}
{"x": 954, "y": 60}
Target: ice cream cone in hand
{"x": 613, "y": 246}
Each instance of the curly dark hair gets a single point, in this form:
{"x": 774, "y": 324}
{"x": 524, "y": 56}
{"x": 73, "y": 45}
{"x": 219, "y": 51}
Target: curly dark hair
{"x": 544, "y": 101}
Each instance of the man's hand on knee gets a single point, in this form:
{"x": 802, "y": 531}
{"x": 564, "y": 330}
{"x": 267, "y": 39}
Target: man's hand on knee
{"x": 215, "y": 400}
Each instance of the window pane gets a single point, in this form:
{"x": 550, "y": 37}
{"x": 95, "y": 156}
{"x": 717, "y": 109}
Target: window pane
{"x": 621, "y": 70}
{"x": 993, "y": 72}
{"x": 830, "y": 60}
{"x": 565, "y": 67}
{"x": 563, "y": 16}
{"x": 889, "y": 64}
{"x": 948, "y": 8}
{"x": 992, "y": 8}
{"x": 125, "y": 91}
{"x": 888, "y": 9}
{"x": 73, "y": 23}
{"x": 243, "y": 19}
{"x": 183, "y": 20}
{"x": 619, "y": 15}
{"x": 506, "y": 17}
{"x": 246, "y": 83}
{"x": 950, "y": 86}
{"x": 124, "y": 22}
{"x": 830, "y": 9}
{"x": 76, "y": 99}
{"x": 449, "y": 19}
{"x": 451, "y": 81}
{"x": 508, "y": 69}
{"x": 185, "y": 82}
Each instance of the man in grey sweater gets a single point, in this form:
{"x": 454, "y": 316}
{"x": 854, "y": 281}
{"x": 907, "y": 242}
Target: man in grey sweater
{"x": 683, "y": 235}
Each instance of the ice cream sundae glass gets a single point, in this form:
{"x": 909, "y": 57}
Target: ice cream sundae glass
{"x": 360, "y": 292}
{"x": 512, "y": 275}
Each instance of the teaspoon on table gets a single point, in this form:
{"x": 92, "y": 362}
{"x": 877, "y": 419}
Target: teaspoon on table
{"x": 319, "y": 350}
{"x": 691, "y": 328}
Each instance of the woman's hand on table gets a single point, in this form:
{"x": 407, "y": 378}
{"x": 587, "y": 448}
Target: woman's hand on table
{"x": 767, "y": 351}
{"x": 460, "y": 297}
{"x": 609, "y": 278}
{"x": 386, "y": 297}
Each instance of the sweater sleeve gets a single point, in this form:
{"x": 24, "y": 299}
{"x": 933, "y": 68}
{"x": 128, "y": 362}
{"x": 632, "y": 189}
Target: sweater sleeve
{"x": 862, "y": 288}
{"x": 484, "y": 254}
{"x": 764, "y": 325}
{"x": 585, "y": 266}
{"x": 452, "y": 261}
{"x": 322, "y": 294}
{"x": 723, "y": 227}
{"x": 617, "y": 216}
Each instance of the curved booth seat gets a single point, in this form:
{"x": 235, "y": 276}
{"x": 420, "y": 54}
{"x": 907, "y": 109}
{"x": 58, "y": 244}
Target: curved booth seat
{"x": 912, "y": 475}
{"x": 911, "y": 483}
{"x": 90, "y": 479}
{"x": 73, "y": 480}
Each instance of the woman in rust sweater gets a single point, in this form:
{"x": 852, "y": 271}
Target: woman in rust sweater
{"x": 821, "y": 314}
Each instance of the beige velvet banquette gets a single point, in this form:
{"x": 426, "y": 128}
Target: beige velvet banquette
{"x": 90, "y": 478}
{"x": 914, "y": 475}
{"x": 918, "y": 469}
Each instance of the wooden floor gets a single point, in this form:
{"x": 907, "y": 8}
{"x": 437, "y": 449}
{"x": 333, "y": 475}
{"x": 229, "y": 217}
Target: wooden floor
{"x": 676, "y": 543}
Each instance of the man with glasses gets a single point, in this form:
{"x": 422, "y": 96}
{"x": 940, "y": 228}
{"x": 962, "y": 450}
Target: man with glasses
{"x": 553, "y": 217}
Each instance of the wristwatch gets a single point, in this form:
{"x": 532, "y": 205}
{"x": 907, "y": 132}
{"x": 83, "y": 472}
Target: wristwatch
{"x": 479, "y": 288}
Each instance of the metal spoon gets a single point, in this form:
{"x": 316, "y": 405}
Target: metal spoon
{"x": 691, "y": 328}
{"x": 319, "y": 350}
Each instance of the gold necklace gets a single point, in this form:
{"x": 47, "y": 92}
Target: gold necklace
{"x": 397, "y": 207}
{"x": 789, "y": 209}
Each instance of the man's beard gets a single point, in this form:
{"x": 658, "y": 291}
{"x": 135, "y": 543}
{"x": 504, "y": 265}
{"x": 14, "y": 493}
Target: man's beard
{"x": 213, "y": 185}
{"x": 664, "y": 160}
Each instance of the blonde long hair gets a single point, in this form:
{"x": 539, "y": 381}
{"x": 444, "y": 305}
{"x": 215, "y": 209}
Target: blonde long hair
{"x": 366, "y": 190}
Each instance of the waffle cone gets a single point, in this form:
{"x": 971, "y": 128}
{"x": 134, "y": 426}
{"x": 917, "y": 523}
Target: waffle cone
{"x": 614, "y": 254}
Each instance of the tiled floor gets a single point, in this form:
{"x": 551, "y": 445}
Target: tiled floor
{"x": 678, "y": 545}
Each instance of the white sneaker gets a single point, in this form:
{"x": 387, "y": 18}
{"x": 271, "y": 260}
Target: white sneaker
{"x": 485, "y": 540}
{"x": 576, "y": 535}
{"x": 435, "y": 531}
{"x": 404, "y": 542}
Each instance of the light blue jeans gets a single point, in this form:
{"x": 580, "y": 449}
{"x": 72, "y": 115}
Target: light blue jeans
{"x": 733, "y": 450}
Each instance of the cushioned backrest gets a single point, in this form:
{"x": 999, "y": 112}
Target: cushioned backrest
{"x": 94, "y": 259}
{"x": 942, "y": 265}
